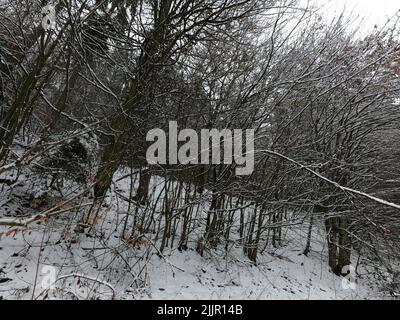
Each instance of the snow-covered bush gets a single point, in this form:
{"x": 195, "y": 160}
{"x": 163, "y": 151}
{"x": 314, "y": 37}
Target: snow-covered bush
{"x": 74, "y": 161}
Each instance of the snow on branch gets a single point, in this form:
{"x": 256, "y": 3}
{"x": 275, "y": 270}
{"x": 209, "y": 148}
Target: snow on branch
{"x": 77, "y": 275}
{"x": 337, "y": 185}
{"x": 56, "y": 210}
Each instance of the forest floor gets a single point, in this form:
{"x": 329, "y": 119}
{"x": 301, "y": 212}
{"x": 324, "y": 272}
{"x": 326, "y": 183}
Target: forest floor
{"x": 102, "y": 265}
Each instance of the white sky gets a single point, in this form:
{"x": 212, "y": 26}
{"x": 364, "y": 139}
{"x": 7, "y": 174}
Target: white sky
{"x": 374, "y": 11}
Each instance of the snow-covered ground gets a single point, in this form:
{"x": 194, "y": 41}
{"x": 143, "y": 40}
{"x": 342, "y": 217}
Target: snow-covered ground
{"x": 101, "y": 265}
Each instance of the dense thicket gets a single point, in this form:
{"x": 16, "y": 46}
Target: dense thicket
{"x": 324, "y": 103}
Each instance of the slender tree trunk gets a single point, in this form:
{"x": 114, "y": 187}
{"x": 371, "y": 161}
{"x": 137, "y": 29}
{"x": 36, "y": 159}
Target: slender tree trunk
{"x": 309, "y": 235}
{"x": 143, "y": 189}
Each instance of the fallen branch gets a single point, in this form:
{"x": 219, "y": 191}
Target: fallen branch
{"x": 19, "y": 222}
{"x": 77, "y": 275}
{"x": 337, "y": 185}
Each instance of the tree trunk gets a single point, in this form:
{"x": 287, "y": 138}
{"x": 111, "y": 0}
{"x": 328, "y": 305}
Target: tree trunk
{"x": 143, "y": 189}
{"x": 339, "y": 243}
{"x": 309, "y": 234}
